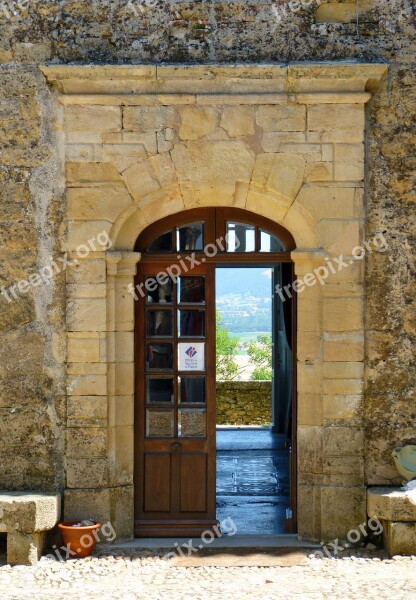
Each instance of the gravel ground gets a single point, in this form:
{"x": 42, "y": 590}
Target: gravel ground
{"x": 131, "y": 576}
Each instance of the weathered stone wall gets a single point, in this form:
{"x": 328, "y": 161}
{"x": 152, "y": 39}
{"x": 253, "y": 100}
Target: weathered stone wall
{"x": 32, "y": 410}
{"x": 32, "y": 390}
{"x": 244, "y": 402}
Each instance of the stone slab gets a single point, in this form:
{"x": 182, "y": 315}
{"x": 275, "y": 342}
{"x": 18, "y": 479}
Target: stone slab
{"x": 27, "y": 512}
{"x": 235, "y": 541}
{"x": 390, "y": 504}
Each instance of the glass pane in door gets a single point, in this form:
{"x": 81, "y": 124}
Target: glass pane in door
{"x": 159, "y": 390}
{"x": 159, "y": 357}
{"x": 191, "y": 356}
{"x": 159, "y": 323}
{"x": 157, "y": 293}
{"x": 240, "y": 237}
{"x": 191, "y": 323}
{"x": 270, "y": 243}
{"x": 159, "y": 423}
{"x": 191, "y": 290}
{"x": 163, "y": 243}
{"x": 192, "y": 390}
{"x": 190, "y": 237}
{"x": 192, "y": 422}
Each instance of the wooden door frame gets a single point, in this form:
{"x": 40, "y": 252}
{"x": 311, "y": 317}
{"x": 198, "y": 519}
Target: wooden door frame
{"x": 215, "y": 220}
{"x": 193, "y": 525}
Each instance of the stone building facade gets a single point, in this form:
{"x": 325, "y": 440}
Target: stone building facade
{"x": 307, "y": 118}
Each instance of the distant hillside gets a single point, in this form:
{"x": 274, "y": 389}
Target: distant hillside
{"x": 243, "y": 298}
{"x": 243, "y": 281}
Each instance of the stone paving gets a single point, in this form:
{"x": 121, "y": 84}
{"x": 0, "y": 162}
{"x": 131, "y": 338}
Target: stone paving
{"x": 132, "y": 576}
{"x": 252, "y": 480}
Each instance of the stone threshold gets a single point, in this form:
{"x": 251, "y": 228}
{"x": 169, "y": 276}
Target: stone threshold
{"x": 235, "y": 541}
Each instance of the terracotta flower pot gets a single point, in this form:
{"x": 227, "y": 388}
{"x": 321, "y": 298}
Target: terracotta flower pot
{"x": 80, "y": 540}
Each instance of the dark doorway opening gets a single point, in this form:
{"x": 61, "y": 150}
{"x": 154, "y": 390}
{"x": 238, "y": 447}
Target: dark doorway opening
{"x": 254, "y": 398}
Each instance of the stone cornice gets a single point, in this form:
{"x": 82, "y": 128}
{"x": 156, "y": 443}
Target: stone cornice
{"x": 327, "y": 82}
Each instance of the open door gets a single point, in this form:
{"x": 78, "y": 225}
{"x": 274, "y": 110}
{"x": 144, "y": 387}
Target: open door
{"x": 175, "y": 402}
{"x": 282, "y": 356}
{"x": 284, "y": 383}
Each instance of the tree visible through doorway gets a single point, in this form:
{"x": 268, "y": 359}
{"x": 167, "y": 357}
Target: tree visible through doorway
{"x": 252, "y": 460}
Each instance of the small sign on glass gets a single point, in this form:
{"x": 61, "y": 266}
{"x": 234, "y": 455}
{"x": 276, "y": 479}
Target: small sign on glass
{"x": 191, "y": 356}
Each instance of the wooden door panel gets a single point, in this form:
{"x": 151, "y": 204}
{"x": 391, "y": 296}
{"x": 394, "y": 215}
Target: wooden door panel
{"x": 175, "y": 404}
{"x": 193, "y": 482}
{"x": 157, "y": 477}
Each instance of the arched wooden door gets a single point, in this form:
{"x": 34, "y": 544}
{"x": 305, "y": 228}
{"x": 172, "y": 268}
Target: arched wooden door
{"x": 175, "y": 360}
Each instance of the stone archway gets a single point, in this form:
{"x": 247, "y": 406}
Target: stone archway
{"x": 283, "y": 142}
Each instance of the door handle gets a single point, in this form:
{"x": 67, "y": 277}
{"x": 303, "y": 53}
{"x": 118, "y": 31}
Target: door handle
{"x": 175, "y": 447}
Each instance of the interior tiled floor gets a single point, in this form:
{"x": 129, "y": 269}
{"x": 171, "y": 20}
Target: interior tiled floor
{"x": 252, "y": 479}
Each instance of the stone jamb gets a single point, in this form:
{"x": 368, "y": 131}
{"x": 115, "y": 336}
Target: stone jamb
{"x": 121, "y": 270}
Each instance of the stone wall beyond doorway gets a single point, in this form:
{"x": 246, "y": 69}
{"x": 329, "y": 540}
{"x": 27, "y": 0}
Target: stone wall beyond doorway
{"x": 285, "y": 142}
{"x": 244, "y": 403}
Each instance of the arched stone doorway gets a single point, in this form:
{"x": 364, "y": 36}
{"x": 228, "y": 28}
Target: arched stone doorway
{"x": 175, "y": 399}
{"x": 216, "y": 137}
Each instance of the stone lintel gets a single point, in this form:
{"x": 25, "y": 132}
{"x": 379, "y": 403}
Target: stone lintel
{"x": 91, "y": 72}
{"x": 248, "y": 98}
{"x": 333, "y": 98}
{"x": 336, "y": 76}
{"x": 159, "y": 82}
{"x": 126, "y": 99}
